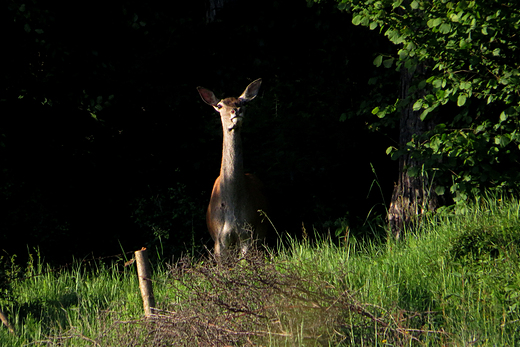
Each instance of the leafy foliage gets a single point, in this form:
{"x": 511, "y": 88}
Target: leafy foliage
{"x": 471, "y": 83}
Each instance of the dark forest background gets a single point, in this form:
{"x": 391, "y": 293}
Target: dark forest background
{"x": 106, "y": 146}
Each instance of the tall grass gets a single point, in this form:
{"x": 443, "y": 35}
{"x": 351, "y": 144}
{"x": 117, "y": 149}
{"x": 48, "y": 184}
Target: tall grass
{"x": 453, "y": 281}
{"x": 70, "y": 303}
{"x": 458, "y": 274}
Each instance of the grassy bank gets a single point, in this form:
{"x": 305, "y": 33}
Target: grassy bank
{"x": 454, "y": 281}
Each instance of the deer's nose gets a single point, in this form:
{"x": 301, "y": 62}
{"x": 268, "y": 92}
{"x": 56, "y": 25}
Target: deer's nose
{"x": 235, "y": 113}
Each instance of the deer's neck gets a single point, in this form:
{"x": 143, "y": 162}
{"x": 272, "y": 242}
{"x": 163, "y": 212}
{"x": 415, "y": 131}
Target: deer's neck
{"x": 232, "y": 167}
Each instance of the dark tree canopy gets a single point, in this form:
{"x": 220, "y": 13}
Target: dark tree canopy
{"x": 106, "y": 144}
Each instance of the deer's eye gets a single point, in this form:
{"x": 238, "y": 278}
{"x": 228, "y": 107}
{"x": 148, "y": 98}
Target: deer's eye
{"x": 219, "y": 106}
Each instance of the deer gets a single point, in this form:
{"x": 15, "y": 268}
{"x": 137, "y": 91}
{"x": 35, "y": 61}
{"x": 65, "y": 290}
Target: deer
{"x": 234, "y": 214}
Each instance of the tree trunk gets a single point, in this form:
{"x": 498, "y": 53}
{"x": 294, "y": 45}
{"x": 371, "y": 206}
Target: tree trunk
{"x": 412, "y": 196}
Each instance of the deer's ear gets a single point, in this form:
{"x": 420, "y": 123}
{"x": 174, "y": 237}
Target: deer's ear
{"x": 208, "y": 96}
{"x": 251, "y": 91}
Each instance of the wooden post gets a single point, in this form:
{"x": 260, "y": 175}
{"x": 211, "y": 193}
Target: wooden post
{"x": 145, "y": 283}
{"x": 4, "y": 320}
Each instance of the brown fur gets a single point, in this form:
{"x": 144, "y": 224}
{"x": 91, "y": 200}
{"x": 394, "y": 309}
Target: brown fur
{"x": 233, "y": 216}
{"x": 255, "y": 226}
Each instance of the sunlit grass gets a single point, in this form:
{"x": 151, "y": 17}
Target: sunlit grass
{"x": 468, "y": 298}
{"x": 50, "y": 302}
{"x": 453, "y": 281}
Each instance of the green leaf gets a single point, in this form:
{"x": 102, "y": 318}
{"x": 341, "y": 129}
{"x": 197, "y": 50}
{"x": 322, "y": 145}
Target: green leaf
{"x": 425, "y": 113}
{"x": 465, "y": 85}
{"x": 480, "y": 128}
{"x": 414, "y": 5}
{"x": 461, "y": 100}
{"x": 454, "y": 17}
{"x": 390, "y": 149}
{"x": 410, "y": 64}
{"x": 418, "y": 105}
{"x": 394, "y": 36}
{"x": 434, "y": 22}
{"x": 439, "y": 190}
{"x": 378, "y": 60}
{"x": 397, "y": 3}
{"x": 445, "y": 28}
{"x": 388, "y": 62}
{"x": 504, "y": 80}
{"x": 410, "y": 46}
{"x": 435, "y": 143}
{"x": 464, "y": 44}
{"x": 437, "y": 83}
{"x": 502, "y": 140}
{"x": 357, "y": 19}
{"x": 373, "y": 25}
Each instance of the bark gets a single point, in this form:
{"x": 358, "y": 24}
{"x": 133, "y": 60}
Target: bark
{"x": 412, "y": 196}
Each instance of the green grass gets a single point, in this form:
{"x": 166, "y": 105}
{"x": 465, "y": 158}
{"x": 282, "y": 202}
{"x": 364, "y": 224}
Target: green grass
{"x": 455, "y": 281}
{"x": 70, "y": 302}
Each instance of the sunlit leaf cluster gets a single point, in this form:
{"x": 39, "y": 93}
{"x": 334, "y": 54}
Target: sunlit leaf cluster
{"x": 470, "y": 81}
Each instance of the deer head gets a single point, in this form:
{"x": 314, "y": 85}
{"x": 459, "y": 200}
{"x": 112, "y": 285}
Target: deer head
{"x": 231, "y": 109}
